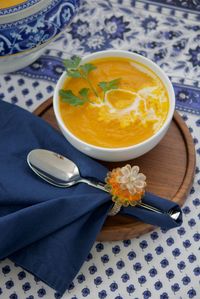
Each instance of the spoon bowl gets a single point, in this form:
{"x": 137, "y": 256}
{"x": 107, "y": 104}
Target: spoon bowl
{"x": 53, "y": 167}
{"x": 57, "y": 169}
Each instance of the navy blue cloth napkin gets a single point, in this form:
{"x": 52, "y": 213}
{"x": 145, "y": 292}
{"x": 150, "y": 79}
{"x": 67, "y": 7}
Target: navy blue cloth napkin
{"x": 49, "y": 231}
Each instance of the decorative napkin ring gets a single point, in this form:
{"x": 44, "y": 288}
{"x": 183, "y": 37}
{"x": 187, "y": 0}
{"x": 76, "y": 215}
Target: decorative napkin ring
{"x": 126, "y": 185}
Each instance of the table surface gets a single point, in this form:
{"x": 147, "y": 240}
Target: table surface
{"x": 161, "y": 264}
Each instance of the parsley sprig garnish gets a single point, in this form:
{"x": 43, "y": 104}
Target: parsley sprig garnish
{"x": 75, "y": 70}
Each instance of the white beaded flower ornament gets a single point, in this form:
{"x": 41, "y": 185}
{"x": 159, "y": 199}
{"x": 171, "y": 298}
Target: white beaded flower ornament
{"x": 126, "y": 185}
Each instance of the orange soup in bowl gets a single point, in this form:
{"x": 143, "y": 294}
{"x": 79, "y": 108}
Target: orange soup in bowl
{"x": 126, "y": 103}
{"x": 10, "y": 3}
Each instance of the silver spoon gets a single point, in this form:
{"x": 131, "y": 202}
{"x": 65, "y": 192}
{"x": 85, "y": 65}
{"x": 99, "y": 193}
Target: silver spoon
{"x": 62, "y": 172}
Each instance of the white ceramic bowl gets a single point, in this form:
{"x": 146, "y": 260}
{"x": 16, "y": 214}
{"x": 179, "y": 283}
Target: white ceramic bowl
{"x": 123, "y": 153}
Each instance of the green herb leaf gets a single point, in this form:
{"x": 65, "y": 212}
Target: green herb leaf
{"x": 72, "y": 63}
{"x": 74, "y": 73}
{"x": 87, "y": 68}
{"x": 69, "y": 97}
{"x": 84, "y": 93}
{"x": 106, "y": 86}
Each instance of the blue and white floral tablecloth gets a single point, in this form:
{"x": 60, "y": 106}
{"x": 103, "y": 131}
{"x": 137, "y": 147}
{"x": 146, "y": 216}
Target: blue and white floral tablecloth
{"x": 160, "y": 264}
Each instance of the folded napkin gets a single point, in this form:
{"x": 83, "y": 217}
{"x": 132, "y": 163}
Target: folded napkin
{"x": 49, "y": 231}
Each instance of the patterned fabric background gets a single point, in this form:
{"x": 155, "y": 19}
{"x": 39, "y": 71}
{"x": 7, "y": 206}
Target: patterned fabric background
{"x": 160, "y": 264}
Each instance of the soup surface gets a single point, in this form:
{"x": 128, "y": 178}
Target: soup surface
{"x": 120, "y": 117}
{"x": 9, "y": 3}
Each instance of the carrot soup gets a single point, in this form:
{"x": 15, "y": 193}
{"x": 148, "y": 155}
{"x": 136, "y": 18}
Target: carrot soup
{"x": 9, "y": 3}
{"x": 125, "y": 115}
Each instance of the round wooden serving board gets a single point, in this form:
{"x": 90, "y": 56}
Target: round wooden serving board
{"x": 169, "y": 168}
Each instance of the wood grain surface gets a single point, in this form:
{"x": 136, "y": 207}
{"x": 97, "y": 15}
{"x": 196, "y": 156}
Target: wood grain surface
{"x": 169, "y": 168}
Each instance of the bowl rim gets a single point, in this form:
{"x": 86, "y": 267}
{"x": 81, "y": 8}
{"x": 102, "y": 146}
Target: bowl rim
{"x": 126, "y": 54}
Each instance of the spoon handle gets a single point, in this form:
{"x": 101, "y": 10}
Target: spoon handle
{"x": 93, "y": 183}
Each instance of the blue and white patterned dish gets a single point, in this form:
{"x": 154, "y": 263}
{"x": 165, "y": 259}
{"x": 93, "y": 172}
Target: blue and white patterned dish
{"x": 25, "y": 33}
